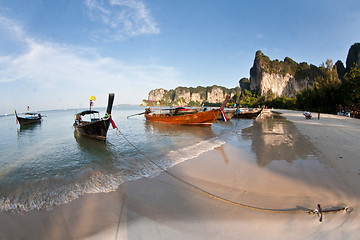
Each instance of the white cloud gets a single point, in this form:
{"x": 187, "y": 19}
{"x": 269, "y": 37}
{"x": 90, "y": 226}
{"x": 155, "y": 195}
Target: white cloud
{"x": 12, "y": 27}
{"x": 121, "y": 19}
{"x": 73, "y": 72}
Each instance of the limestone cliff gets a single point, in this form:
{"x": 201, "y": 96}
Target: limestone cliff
{"x": 269, "y": 77}
{"x": 244, "y": 84}
{"x": 191, "y": 96}
{"x": 282, "y": 78}
{"x": 353, "y": 57}
{"x": 286, "y": 78}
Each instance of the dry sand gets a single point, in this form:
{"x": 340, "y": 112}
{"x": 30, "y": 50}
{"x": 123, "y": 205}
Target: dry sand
{"x": 276, "y": 164}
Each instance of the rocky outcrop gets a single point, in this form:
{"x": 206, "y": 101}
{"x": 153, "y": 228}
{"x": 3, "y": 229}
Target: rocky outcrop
{"x": 281, "y": 78}
{"x": 353, "y": 57}
{"x": 215, "y": 95}
{"x": 270, "y": 77}
{"x": 196, "y": 97}
{"x": 181, "y": 95}
{"x": 286, "y": 78}
{"x": 341, "y": 70}
{"x": 191, "y": 96}
{"x": 280, "y": 85}
{"x": 244, "y": 84}
{"x": 157, "y": 93}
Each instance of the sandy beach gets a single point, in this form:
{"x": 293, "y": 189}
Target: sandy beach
{"x": 288, "y": 164}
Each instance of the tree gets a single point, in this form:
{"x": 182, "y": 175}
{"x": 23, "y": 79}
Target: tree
{"x": 326, "y": 89}
{"x": 350, "y": 90}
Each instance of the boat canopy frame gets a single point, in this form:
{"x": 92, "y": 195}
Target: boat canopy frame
{"x": 93, "y": 115}
{"x": 87, "y": 112}
{"x": 151, "y": 107}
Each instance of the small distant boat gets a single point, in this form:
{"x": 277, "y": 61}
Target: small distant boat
{"x": 97, "y": 127}
{"x": 249, "y": 114}
{"x": 200, "y": 118}
{"x": 228, "y": 113}
{"x": 28, "y": 118}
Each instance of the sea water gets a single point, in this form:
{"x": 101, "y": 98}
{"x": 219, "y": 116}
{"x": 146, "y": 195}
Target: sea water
{"x": 49, "y": 164}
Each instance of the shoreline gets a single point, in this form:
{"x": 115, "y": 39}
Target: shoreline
{"x": 277, "y": 167}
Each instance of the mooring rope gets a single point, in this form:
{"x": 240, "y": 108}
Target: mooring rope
{"x": 317, "y": 211}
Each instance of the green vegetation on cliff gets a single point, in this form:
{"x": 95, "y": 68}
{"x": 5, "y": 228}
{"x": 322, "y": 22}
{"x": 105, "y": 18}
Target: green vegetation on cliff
{"x": 327, "y": 88}
{"x": 328, "y": 94}
{"x": 288, "y": 66}
{"x": 299, "y": 70}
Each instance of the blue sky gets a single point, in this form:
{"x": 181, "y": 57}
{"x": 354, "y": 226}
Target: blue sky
{"x": 55, "y": 54}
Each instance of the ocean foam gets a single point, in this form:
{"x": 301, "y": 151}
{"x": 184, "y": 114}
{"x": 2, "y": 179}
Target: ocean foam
{"x": 42, "y": 195}
{"x": 193, "y": 151}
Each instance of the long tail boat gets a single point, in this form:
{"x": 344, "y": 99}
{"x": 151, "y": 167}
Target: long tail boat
{"x": 97, "y": 127}
{"x": 28, "y": 118}
{"x": 200, "y": 118}
{"x": 228, "y": 113}
{"x": 248, "y": 114}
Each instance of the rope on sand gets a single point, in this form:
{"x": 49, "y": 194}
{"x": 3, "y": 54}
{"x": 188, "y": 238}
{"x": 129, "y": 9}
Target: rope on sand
{"x": 318, "y": 211}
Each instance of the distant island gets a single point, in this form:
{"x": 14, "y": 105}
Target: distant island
{"x": 281, "y": 84}
{"x": 125, "y": 105}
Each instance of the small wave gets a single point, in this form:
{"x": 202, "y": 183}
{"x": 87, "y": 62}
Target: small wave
{"x": 186, "y": 153}
{"x": 43, "y": 196}
{"x": 47, "y": 193}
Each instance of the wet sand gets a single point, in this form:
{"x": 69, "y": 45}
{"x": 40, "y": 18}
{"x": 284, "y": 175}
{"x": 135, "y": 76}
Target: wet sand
{"x": 280, "y": 163}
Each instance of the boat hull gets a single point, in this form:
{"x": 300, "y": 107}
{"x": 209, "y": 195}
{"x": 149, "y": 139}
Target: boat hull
{"x": 205, "y": 118}
{"x": 247, "y": 114}
{"x": 97, "y": 129}
{"x": 26, "y": 121}
{"x": 228, "y": 113}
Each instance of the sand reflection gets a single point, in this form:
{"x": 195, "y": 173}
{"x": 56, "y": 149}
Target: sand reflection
{"x": 178, "y": 130}
{"x": 275, "y": 138}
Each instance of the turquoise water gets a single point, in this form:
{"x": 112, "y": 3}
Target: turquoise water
{"x": 48, "y": 164}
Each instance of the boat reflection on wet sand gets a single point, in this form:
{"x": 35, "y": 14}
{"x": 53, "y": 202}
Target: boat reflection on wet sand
{"x": 275, "y": 138}
{"x": 178, "y": 130}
